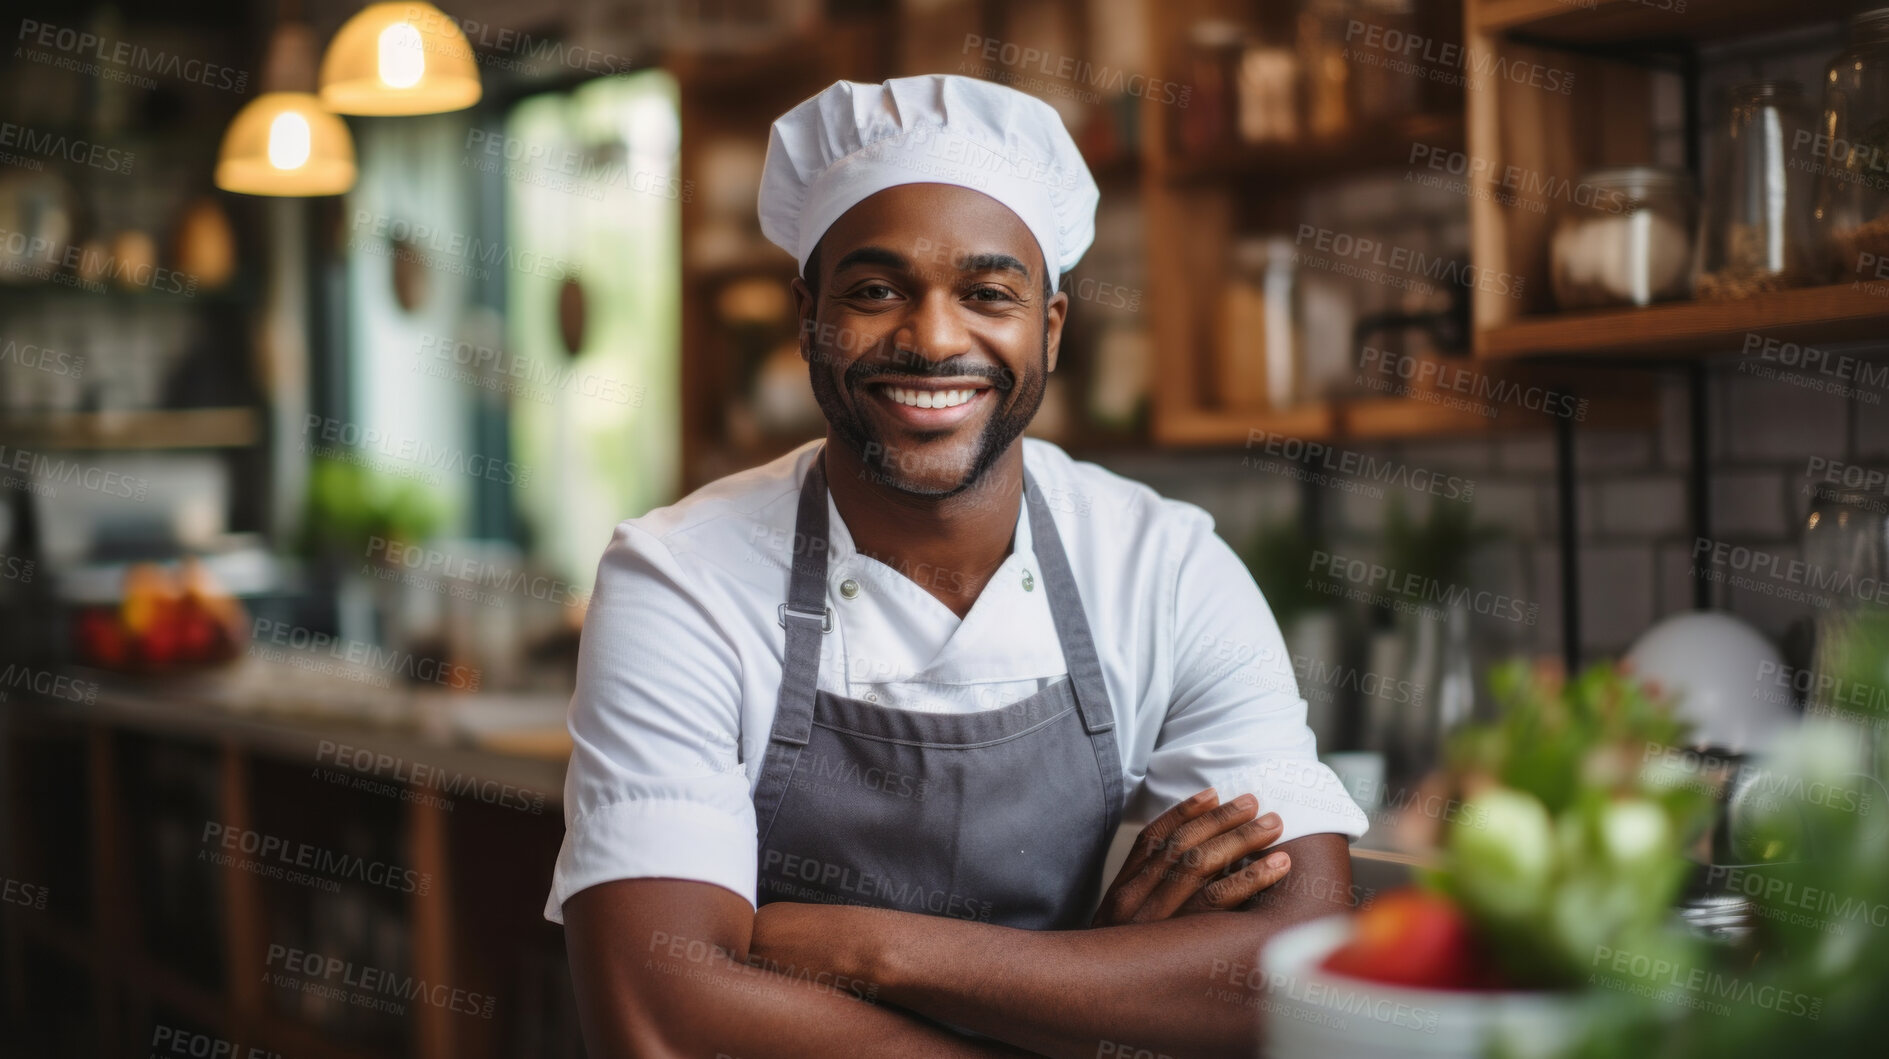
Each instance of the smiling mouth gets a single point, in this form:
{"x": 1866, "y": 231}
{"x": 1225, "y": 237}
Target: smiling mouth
{"x": 930, "y": 405}
{"x": 912, "y": 397}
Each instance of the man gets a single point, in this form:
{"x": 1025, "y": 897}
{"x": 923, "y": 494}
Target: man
{"x": 861, "y": 723}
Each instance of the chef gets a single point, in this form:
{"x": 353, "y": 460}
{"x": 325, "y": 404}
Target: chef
{"x": 853, "y": 730}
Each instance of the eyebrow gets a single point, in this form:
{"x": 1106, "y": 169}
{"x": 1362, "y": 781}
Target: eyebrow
{"x": 879, "y": 255}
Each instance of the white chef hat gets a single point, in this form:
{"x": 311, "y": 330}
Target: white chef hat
{"x": 854, "y": 140}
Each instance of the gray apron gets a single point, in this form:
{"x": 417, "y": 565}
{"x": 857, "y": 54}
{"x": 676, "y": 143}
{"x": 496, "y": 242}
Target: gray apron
{"x": 1002, "y": 816}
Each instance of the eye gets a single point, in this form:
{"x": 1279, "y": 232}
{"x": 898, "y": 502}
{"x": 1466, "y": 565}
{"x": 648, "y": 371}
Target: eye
{"x": 990, "y": 293}
{"x": 873, "y": 292}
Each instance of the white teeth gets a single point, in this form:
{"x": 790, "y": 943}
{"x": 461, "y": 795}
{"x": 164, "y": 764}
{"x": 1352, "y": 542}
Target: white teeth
{"x": 929, "y": 398}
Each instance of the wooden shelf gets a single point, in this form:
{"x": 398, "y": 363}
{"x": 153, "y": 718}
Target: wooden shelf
{"x": 1369, "y": 147}
{"x": 1603, "y": 22}
{"x": 1685, "y": 329}
{"x": 187, "y": 428}
{"x": 1220, "y": 427}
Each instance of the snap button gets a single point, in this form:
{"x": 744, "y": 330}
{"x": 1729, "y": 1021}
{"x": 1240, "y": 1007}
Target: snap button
{"x": 849, "y": 588}
{"x": 872, "y": 696}
{"x": 1029, "y": 582}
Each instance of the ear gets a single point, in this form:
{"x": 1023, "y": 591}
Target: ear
{"x": 805, "y": 306}
{"x": 1054, "y": 312}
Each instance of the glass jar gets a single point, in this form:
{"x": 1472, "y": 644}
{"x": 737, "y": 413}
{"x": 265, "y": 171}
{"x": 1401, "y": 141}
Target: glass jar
{"x": 1755, "y": 235}
{"x": 1322, "y": 51}
{"x": 1850, "y": 152}
{"x": 1262, "y": 356}
{"x": 1846, "y": 551}
{"x": 1624, "y": 237}
{"x": 1209, "y": 123}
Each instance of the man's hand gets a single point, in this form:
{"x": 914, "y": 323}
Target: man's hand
{"x": 1179, "y": 863}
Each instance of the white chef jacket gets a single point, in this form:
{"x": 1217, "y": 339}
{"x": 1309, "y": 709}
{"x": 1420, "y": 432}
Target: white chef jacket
{"x": 680, "y": 665}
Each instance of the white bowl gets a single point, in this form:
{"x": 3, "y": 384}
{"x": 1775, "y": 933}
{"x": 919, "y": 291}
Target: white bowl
{"x": 1311, "y": 1013}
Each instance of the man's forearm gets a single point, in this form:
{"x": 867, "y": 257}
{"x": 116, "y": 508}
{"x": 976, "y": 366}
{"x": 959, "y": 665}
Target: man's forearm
{"x": 1169, "y": 987}
{"x": 662, "y": 972}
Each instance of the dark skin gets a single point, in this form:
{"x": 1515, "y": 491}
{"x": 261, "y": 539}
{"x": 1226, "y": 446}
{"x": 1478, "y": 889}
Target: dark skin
{"x": 942, "y": 492}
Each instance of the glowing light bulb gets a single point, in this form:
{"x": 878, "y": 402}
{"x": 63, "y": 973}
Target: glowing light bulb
{"x": 289, "y": 141}
{"x": 402, "y": 55}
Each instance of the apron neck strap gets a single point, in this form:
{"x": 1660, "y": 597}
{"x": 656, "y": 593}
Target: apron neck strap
{"x": 806, "y": 615}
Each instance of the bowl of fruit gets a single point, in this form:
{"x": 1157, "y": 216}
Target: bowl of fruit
{"x": 1568, "y": 849}
{"x": 169, "y": 619}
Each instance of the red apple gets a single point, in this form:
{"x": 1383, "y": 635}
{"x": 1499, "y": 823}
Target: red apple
{"x": 1410, "y": 938}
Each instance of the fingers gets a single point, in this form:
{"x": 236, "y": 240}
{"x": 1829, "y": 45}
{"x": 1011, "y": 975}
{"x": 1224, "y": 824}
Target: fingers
{"x": 1132, "y": 883}
{"x": 1205, "y": 861}
{"x": 1155, "y": 836}
{"x": 1231, "y": 891}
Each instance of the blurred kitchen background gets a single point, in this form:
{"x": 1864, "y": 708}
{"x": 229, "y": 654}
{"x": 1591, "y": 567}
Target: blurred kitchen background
{"x": 1561, "y": 314}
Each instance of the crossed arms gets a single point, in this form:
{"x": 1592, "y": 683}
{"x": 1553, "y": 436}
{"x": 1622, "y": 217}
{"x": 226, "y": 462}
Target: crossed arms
{"x": 667, "y": 968}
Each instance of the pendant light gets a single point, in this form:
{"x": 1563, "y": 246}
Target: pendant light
{"x": 399, "y": 58}
{"x": 284, "y": 142}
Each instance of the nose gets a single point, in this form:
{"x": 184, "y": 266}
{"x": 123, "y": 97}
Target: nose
{"x": 933, "y": 329}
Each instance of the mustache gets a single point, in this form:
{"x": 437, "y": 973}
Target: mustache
{"x": 913, "y": 366}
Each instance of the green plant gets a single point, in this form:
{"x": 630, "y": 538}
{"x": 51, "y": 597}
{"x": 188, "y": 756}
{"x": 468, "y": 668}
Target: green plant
{"x": 349, "y": 506}
{"x": 1279, "y": 555}
{"x": 1568, "y": 842}
{"x": 1436, "y": 549}
{"x": 1816, "y": 969}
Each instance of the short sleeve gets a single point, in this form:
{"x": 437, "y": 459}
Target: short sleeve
{"x": 1236, "y": 720}
{"x": 655, "y": 787}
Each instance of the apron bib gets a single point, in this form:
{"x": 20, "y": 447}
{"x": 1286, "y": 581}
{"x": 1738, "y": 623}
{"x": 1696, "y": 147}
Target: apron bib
{"x": 1001, "y": 816}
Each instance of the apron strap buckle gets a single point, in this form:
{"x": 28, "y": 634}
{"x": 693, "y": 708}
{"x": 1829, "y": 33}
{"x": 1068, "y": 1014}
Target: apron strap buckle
{"x": 824, "y": 616}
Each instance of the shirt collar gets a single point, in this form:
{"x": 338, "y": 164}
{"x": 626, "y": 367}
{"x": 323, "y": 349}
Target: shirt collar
{"x": 840, "y": 547}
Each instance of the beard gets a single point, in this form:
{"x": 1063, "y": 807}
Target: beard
{"x": 1018, "y": 399}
